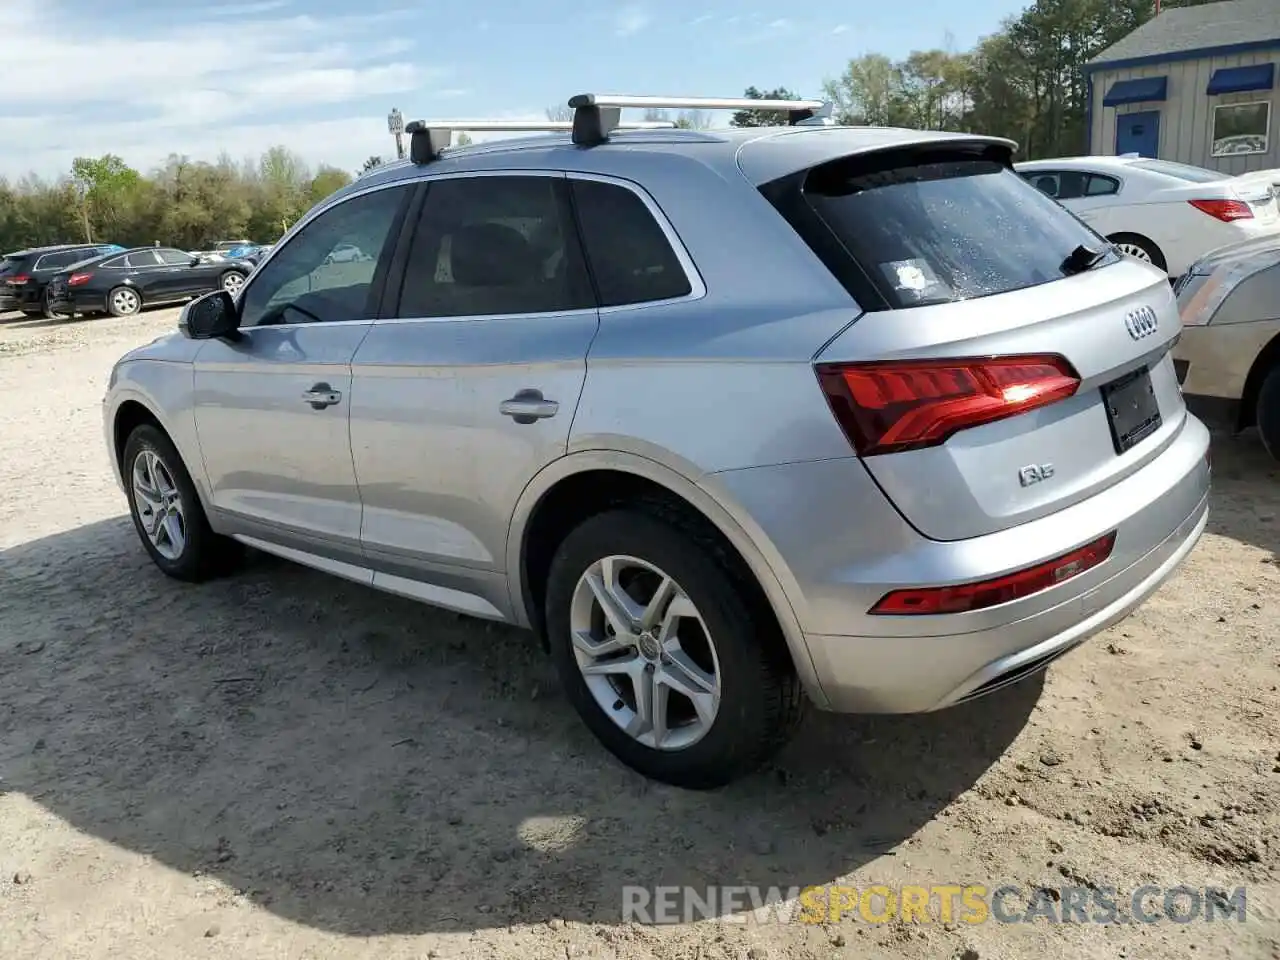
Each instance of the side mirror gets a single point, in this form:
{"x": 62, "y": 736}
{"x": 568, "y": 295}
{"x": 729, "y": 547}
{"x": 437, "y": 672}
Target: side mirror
{"x": 210, "y": 317}
{"x": 194, "y": 261}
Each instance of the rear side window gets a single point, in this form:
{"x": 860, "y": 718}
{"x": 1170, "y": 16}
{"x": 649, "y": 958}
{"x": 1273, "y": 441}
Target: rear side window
{"x": 628, "y": 253}
{"x": 932, "y": 229}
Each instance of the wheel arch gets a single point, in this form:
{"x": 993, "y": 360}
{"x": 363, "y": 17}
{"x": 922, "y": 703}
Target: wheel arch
{"x": 1267, "y": 358}
{"x": 575, "y": 487}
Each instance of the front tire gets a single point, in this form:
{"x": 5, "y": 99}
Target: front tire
{"x": 167, "y": 512}
{"x": 1267, "y": 412}
{"x": 124, "y": 302}
{"x": 667, "y": 655}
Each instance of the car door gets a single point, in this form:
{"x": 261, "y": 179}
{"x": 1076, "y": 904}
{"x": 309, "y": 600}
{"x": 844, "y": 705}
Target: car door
{"x": 467, "y": 386}
{"x": 272, "y": 405}
{"x": 185, "y": 279}
{"x": 148, "y": 275}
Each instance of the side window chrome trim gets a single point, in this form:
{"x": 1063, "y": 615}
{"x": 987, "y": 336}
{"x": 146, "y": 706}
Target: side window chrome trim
{"x": 698, "y": 289}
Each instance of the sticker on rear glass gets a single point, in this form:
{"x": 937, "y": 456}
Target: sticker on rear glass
{"x": 914, "y": 279}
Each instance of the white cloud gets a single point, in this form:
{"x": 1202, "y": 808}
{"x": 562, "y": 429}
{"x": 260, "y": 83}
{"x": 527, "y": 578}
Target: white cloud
{"x": 840, "y": 28}
{"x": 696, "y": 21}
{"x": 631, "y": 19}
{"x": 197, "y": 88}
{"x": 246, "y": 9}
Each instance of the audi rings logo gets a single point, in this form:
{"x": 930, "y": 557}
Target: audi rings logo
{"x": 1141, "y": 323}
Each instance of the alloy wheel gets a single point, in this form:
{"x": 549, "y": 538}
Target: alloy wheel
{"x": 645, "y": 653}
{"x": 1135, "y": 251}
{"x": 159, "y": 505}
{"x": 125, "y": 301}
{"x": 232, "y": 282}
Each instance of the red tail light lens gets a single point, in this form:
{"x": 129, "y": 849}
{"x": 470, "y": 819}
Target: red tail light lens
{"x": 886, "y": 407}
{"x": 1224, "y": 210}
{"x": 17, "y": 280}
{"x": 79, "y": 278}
{"x": 989, "y": 593}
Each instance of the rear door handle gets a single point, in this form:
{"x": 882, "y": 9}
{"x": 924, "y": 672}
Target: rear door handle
{"x": 322, "y": 395}
{"x": 528, "y": 406}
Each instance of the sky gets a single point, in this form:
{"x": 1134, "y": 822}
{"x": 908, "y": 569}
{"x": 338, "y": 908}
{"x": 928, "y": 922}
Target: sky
{"x": 146, "y": 78}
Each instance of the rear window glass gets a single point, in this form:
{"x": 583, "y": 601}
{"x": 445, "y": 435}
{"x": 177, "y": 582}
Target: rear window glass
{"x": 11, "y": 264}
{"x": 945, "y": 230}
{"x": 1183, "y": 171}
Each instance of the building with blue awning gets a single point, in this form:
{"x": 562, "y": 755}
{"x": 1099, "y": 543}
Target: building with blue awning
{"x": 1193, "y": 84}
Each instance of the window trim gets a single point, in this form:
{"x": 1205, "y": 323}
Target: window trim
{"x": 698, "y": 289}
{"x": 1266, "y": 136}
{"x": 395, "y": 236}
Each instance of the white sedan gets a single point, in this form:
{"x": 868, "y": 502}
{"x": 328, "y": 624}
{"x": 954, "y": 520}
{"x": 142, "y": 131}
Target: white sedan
{"x": 1169, "y": 214}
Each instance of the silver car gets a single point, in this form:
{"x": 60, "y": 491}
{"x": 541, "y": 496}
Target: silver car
{"x": 733, "y": 420}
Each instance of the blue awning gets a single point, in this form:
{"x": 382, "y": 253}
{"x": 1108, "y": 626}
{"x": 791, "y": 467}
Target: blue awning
{"x": 1260, "y": 76}
{"x": 1136, "y": 91}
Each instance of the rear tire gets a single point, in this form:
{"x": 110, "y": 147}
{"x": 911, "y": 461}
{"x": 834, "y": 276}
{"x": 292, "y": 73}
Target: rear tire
{"x": 746, "y": 699}
{"x": 1267, "y": 412}
{"x": 1140, "y": 248}
{"x": 49, "y": 312}
{"x": 167, "y": 513}
{"x": 124, "y": 302}
{"x": 232, "y": 281}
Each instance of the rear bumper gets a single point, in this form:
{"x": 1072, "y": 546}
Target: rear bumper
{"x": 23, "y": 300}
{"x": 838, "y": 547}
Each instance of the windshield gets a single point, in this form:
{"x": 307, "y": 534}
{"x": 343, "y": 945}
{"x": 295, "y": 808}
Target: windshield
{"x": 1182, "y": 171}
{"x": 955, "y": 229}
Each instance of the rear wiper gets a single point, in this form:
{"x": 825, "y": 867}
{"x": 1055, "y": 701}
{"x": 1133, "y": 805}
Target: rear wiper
{"x": 1082, "y": 258}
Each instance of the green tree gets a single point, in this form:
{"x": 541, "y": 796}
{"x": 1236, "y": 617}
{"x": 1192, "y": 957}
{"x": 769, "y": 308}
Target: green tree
{"x": 763, "y": 118}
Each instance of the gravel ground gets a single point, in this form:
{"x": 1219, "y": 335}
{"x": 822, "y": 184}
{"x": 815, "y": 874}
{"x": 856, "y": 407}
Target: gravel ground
{"x": 285, "y": 765}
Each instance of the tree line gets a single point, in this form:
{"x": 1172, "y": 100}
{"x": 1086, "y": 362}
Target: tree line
{"x": 1025, "y": 82}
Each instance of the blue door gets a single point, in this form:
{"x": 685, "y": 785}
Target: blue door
{"x": 1138, "y": 133}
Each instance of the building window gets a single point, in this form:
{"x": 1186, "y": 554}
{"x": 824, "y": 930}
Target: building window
{"x": 1241, "y": 128}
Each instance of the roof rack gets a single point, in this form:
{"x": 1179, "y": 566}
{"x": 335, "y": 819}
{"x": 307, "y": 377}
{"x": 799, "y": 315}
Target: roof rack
{"x": 428, "y": 137}
{"x": 596, "y": 115}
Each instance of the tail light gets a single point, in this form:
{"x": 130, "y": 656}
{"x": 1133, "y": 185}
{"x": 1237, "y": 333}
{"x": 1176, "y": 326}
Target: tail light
{"x": 79, "y": 278}
{"x": 891, "y": 406}
{"x": 988, "y": 593}
{"x": 1224, "y": 210}
{"x": 17, "y": 280}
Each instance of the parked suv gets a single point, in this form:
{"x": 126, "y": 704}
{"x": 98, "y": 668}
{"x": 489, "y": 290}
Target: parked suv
{"x": 25, "y": 274}
{"x": 732, "y": 419}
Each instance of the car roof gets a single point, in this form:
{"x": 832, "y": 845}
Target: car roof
{"x": 1091, "y": 163}
{"x": 761, "y": 153}
{"x": 53, "y": 248}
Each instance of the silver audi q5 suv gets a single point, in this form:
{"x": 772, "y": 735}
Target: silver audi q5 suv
{"x": 733, "y": 420}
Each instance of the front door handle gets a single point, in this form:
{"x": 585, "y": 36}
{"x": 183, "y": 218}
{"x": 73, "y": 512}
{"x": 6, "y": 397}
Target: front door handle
{"x": 528, "y": 406}
{"x": 322, "y": 395}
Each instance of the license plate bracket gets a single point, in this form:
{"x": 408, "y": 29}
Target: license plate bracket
{"x": 1133, "y": 413}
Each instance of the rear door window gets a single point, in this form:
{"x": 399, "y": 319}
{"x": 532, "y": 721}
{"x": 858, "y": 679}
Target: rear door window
{"x": 937, "y": 230}
{"x": 142, "y": 258}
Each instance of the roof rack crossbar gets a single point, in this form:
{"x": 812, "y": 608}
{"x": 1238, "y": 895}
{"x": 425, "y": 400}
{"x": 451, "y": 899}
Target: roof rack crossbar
{"x": 427, "y": 138}
{"x": 596, "y": 115}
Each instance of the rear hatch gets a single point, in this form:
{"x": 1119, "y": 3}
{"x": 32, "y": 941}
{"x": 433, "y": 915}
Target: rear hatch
{"x": 996, "y": 376}
{"x": 14, "y": 274}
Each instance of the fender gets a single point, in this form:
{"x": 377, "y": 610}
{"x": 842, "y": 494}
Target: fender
{"x": 150, "y": 383}
{"x": 764, "y": 561}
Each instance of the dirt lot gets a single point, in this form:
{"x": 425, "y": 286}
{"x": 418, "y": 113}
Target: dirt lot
{"x": 285, "y": 765}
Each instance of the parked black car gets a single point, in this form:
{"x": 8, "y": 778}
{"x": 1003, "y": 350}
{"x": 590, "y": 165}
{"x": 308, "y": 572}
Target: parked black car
{"x": 122, "y": 283}
{"x": 25, "y": 274}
